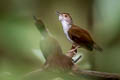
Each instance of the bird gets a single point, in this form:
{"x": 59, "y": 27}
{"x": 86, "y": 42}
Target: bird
{"x": 51, "y": 49}
{"x": 48, "y": 44}
{"x": 79, "y": 37}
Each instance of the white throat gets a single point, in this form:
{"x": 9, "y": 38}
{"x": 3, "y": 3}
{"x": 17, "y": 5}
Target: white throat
{"x": 66, "y": 27}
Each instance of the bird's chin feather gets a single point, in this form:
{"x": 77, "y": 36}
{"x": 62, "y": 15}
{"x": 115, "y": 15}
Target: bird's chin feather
{"x": 60, "y": 18}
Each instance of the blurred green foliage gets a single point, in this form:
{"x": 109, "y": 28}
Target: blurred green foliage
{"x": 19, "y": 37}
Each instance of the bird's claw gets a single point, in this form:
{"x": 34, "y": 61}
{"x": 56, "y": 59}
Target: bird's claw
{"x": 71, "y": 51}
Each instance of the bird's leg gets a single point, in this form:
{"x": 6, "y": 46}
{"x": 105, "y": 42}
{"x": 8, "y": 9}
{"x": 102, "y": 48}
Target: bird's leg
{"x": 73, "y": 51}
{"x": 73, "y": 47}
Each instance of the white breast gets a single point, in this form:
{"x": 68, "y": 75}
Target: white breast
{"x": 66, "y": 27}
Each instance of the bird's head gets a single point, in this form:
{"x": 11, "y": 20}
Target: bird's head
{"x": 64, "y": 17}
{"x": 40, "y": 25}
{"x": 38, "y": 21}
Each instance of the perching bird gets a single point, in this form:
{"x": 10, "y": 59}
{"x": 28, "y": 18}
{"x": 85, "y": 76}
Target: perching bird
{"x": 51, "y": 49}
{"x": 77, "y": 35}
{"x": 48, "y": 44}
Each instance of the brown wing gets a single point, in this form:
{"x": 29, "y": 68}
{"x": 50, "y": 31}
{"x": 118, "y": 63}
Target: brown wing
{"x": 81, "y": 37}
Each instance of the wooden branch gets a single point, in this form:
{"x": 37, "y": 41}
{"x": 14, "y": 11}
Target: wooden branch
{"x": 98, "y": 74}
{"x": 61, "y": 63}
{"x": 85, "y": 72}
{"x": 65, "y": 62}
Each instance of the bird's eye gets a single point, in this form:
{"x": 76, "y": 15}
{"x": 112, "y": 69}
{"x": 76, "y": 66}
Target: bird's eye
{"x": 66, "y": 16}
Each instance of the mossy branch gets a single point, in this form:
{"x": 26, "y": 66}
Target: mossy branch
{"x": 98, "y": 74}
{"x": 78, "y": 72}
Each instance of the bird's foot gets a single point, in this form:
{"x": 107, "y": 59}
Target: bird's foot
{"x": 72, "y": 52}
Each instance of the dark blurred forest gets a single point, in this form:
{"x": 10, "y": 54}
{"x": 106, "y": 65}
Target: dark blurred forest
{"x": 20, "y": 39}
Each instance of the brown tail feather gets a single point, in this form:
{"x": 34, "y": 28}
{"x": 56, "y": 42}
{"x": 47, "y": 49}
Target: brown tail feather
{"x": 98, "y": 48}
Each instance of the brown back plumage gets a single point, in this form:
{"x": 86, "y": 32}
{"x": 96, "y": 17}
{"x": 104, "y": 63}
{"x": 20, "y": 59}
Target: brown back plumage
{"x": 81, "y": 37}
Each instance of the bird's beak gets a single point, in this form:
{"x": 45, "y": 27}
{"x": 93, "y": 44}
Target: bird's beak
{"x": 58, "y": 13}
